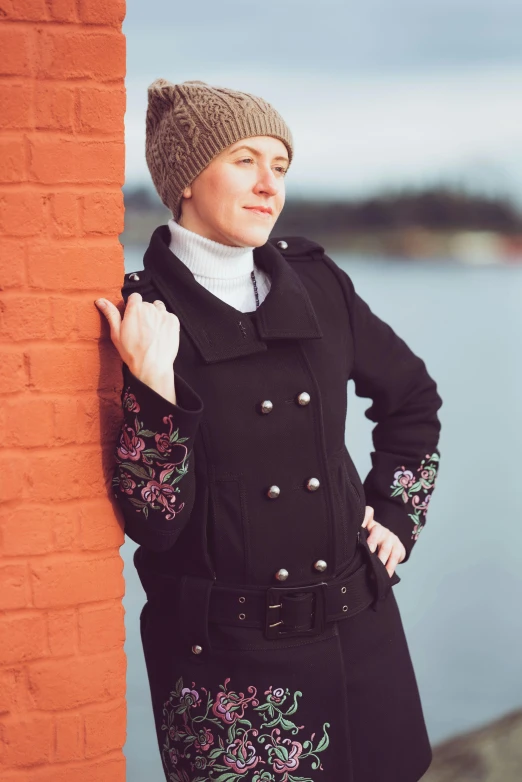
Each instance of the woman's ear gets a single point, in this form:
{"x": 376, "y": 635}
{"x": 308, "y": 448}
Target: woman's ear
{"x": 187, "y": 193}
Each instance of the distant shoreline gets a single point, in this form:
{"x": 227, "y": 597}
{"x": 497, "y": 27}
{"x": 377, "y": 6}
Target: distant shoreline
{"x": 415, "y": 243}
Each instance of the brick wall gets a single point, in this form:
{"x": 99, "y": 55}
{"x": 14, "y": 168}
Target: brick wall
{"x": 62, "y": 664}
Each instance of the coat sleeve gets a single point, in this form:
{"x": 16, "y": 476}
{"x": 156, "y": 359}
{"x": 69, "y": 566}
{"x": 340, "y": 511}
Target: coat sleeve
{"x": 405, "y": 460}
{"x": 153, "y": 479}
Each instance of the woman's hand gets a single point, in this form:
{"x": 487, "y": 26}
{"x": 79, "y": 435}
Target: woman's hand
{"x": 147, "y": 339}
{"x": 391, "y": 550}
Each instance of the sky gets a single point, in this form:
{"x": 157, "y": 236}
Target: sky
{"x": 378, "y": 95}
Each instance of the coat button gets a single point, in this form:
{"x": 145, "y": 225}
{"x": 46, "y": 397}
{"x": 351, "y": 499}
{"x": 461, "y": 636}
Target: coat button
{"x": 267, "y": 406}
{"x": 303, "y": 398}
{"x": 134, "y": 276}
{"x": 273, "y": 492}
{"x": 320, "y": 565}
{"x": 282, "y": 244}
{"x": 313, "y": 484}
{"x": 282, "y": 574}
{"x": 197, "y": 649}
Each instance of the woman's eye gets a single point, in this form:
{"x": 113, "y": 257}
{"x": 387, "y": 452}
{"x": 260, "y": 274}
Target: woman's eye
{"x": 246, "y": 160}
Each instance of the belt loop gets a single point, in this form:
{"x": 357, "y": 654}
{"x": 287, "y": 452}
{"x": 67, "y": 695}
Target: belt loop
{"x": 193, "y": 603}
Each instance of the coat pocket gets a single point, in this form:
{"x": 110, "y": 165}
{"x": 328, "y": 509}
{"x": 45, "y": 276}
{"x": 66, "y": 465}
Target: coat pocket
{"x": 228, "y": 538}
{"x": 349, "y": 510}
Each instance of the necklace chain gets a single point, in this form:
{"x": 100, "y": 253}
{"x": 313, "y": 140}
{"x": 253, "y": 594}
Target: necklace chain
{"x": 255, "y": 288}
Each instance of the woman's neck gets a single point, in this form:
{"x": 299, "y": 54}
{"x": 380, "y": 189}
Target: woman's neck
{"x": 206, "y": 258}
{"x": 224, "y": 271}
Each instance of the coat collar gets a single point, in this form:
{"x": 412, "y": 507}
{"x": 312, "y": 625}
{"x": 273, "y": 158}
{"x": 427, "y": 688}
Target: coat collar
{"x": 219, "y": 331}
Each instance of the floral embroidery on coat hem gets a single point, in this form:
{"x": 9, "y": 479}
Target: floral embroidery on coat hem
{"x": 410, "y": 488}
{"x": 217, "y": 735}
{"x": 150, "y": 464}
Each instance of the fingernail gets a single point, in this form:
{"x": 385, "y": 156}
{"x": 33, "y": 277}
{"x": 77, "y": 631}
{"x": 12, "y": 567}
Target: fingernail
{"x": 99, "y": 302}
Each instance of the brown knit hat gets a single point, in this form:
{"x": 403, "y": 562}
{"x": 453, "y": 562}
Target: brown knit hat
{"x": 188, "y": 124}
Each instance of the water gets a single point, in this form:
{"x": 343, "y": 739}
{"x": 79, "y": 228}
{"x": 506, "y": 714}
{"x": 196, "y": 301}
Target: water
{"x": 461, "y": 591}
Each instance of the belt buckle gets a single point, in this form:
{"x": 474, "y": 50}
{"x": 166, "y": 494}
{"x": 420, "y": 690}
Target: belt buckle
{"x": 274, "y": 626}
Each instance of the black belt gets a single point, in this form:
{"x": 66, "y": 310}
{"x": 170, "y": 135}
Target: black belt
{"x": 302, "y": 610}
{"x": 287, "y": 611}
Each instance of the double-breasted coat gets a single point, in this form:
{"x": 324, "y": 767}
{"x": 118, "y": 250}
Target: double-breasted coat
{"x": 246, "y": 483}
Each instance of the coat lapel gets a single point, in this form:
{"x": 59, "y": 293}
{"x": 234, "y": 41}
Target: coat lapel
{"x": 219, "y": 331}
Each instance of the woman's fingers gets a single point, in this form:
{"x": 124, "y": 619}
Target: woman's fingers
{"x": 113, "y": 316}
{"x": 376, "y": 534}
{"x": 160, "y": 304}
{"x": 368, "y": 517}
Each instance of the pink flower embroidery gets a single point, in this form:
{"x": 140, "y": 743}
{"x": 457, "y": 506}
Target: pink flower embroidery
{"x": 150, "y": 464}
{"x": 236, "y": 745}
{"x": 416, "y": 490}
{"x": 130, "y": 444}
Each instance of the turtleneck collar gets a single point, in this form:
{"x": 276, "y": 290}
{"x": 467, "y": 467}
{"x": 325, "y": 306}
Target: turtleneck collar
{"x": 206, "y": 258}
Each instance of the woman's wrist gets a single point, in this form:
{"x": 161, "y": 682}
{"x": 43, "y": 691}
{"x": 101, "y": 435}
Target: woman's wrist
{"x": 160, "y": 382}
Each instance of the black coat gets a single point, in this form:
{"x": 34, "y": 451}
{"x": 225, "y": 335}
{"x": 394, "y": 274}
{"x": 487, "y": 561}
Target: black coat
{"x": 193, "y": 480}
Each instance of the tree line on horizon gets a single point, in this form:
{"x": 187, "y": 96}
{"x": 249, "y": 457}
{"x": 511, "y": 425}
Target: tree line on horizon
{"x": 436, "y": 208}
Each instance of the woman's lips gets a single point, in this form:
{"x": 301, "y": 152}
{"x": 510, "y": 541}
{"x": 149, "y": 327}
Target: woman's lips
{"x": 256, "y": 211}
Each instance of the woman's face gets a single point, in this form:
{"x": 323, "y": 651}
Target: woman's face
{"x": 221, "y": 202}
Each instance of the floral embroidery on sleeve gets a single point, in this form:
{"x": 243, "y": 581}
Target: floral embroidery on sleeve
{"x": 230, "y": 734}
{"x": 150, "y": 464}
{"x": 410, "y": 487}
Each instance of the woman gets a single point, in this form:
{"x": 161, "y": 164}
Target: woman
{"x": 273, "y": 641}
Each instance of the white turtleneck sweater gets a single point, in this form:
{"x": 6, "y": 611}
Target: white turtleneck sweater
{"x": 224, "y": 271}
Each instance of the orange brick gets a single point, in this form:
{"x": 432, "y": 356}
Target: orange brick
{"x": 106, "y": 770}
{"x": 101, "y": 12}
{"x": 103, "y": 213}
{"x": 73, "y": 266}
{"x": 12, "y": 471}
{"x": 13, "y": 375}
{"x": 101, "y": 110}
{"x": 22, "y": 213}
{"x": 25, "y": 317}
{"x": 15, "y": 45}
{"x": 14, "y": 587}
{"x": 82, "y": 680}
{"x": 69, "y": 160}
{"x": 61, "y": 475}
{"x": 22, "y": 638}
{"x": 15, "y": 105}
{"x": 63, "y": 10}
{"x": 25, "y": 10}
{"x": 86, "y": 419}
{"x": 12, "y": 263}
{"x": 64, "y": 316}
{"x": 69, "y": 738}
{"x": 99, "y": 529}
{"x": 28, "y": 421}
{"x": 69, "y": 581}
{"x": 101, "y": 628}
{"x": 65, "y": 214}
{"x": 53, "y": 107}
{"x": 26, "y": 739}
{"x": 12, "y": 155}
{"x": 33, "y": 529}
{"x": 73, "y": 367}
{"x": 105, "y": 729}
{"x": 62, "y": 630}
{"x": 103, "y": 420}
{"x": 72, "y": 55}
{"x": 14, "y": 694}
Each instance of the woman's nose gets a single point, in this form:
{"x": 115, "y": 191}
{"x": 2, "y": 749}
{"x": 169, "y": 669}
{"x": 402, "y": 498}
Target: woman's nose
{"x": 268, "y": 184}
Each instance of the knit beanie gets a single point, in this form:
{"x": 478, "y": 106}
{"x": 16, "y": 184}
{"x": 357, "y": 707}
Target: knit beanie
{"x": 188, "y": 124}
